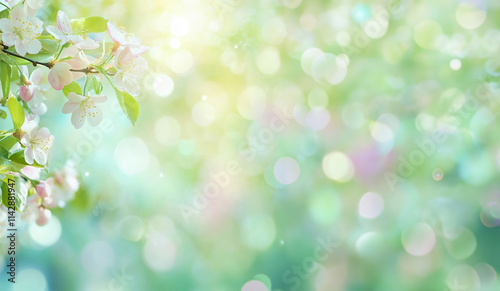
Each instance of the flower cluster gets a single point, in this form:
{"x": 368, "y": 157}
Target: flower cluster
{"x": 38, "y": 196}
{"x": 74, "y": 56}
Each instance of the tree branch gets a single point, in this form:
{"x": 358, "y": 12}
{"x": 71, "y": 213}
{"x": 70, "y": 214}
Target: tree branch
{"x": 35, "y": 63}
{"x": 88, "y": 70}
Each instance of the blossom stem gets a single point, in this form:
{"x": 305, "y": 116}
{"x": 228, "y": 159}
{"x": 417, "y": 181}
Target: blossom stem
{"x": 89, "y": 70}
{"x": 5, "y": 6}
{"x": 85, "y": 86}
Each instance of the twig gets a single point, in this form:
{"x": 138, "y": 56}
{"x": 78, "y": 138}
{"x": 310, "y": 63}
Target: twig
{"x": 88, "y": 70}
{"x": 35, "y": 63}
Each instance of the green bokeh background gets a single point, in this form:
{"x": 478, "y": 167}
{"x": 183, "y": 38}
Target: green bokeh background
{"x": 127, "y": 218}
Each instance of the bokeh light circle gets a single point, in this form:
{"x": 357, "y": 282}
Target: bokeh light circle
{"x": 370, "y": 205}
{"x": 469, "y": 16}
{"x": 254, "y": 285}
{"x": 258, "y": 231}
{"x": 286, "y": 170}
{"x": 48, "y": 234}
{"x": 203, "y": 113}
{"x": 30, "y": 279}
{"x": 97, "y": 257}
{"x": 167, "y": 131}
{"x": 163, "y": 85}
{"x": 131, "y": 228}
{"x": 159, "y": 252}
{"x": 338, "y": 167}
{"x": 418, "y": 240}
{"x": 132, "y": 155}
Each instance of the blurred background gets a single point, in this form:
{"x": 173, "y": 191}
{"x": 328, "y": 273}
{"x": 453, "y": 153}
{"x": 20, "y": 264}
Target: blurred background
{"x": 285, "y": 145}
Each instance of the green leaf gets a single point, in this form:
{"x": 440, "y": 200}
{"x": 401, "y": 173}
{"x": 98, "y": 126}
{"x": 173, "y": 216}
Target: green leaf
{"x": 3, "y": 114}
{"x": 95, "y": 85}
{"x": 129, "y": 105}
{"x": 18, "y": 157}
{"x": 5, "y": 71}
{"x": 4, "y": 153}
{"x": 8, "y": 141}
{"x": 72, "y": 87}
{"x": 3, "y": 169}
{"x": 20, "y": 192}
{"x": 95, "y": 24}
{"x": 16, "y": 112}
{"x": 5, "y": 13}
{"x": 49, "y": 46}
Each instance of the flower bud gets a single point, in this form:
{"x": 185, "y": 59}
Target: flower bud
{"x": 44, "y": 216}
{"x": 26, "y": 92}
{"x": 43, "y": 189}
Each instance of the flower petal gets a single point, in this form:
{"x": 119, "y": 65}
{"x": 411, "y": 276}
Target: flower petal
{"x": 70, "y": 51}
{"x": 75, "y": 98}
{"x": 87, "y": 44}
{"x": 40, "y": 156}
{"x": 69, "y": 107}
{"x": 124, "y": 56}
{"x": 63, "y": 23}
{"x": 26, "y": 92}
{"x": 20, "y": 49}
{"x": 38, "y": 75}
{"x": 17, "y": 16}
{"x": 57, "y": 33}
{"x": 60, "y": 76}
{"x": 42, "y": 133}
{"x": 77, "y": 118}
{"x": 119, "y": 81}
{"x": 138, "y": 50}
{"x": 99, "y": 98}
{"x": 32, "y": 46}
{"x": 34, "y": 4}
{"x": 9, "y": 38}
{"x": 6, "y": 26}
{"x": 28, "y": 154}
{"x": 117, "y": 34}
{"x": 132, "y": 86}
{"x": 95, "y": 116}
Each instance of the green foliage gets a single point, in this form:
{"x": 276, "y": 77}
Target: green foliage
{"x": 95, "y": 24}
{"x": 7, "y": 141}
{"x": 4, "y": 153}
{"x": 16, "y": 112}
{"x": 5, "y": 13}
{"x": 5, "y": 73}
{"x": 18, "y": 157}
{"x": 49, "y": 46}
{"x": 90, "y": 24}
{"x": 129, "y": 105}
{"x": 72, "y": 87}
{"x": 95, "y": 85}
